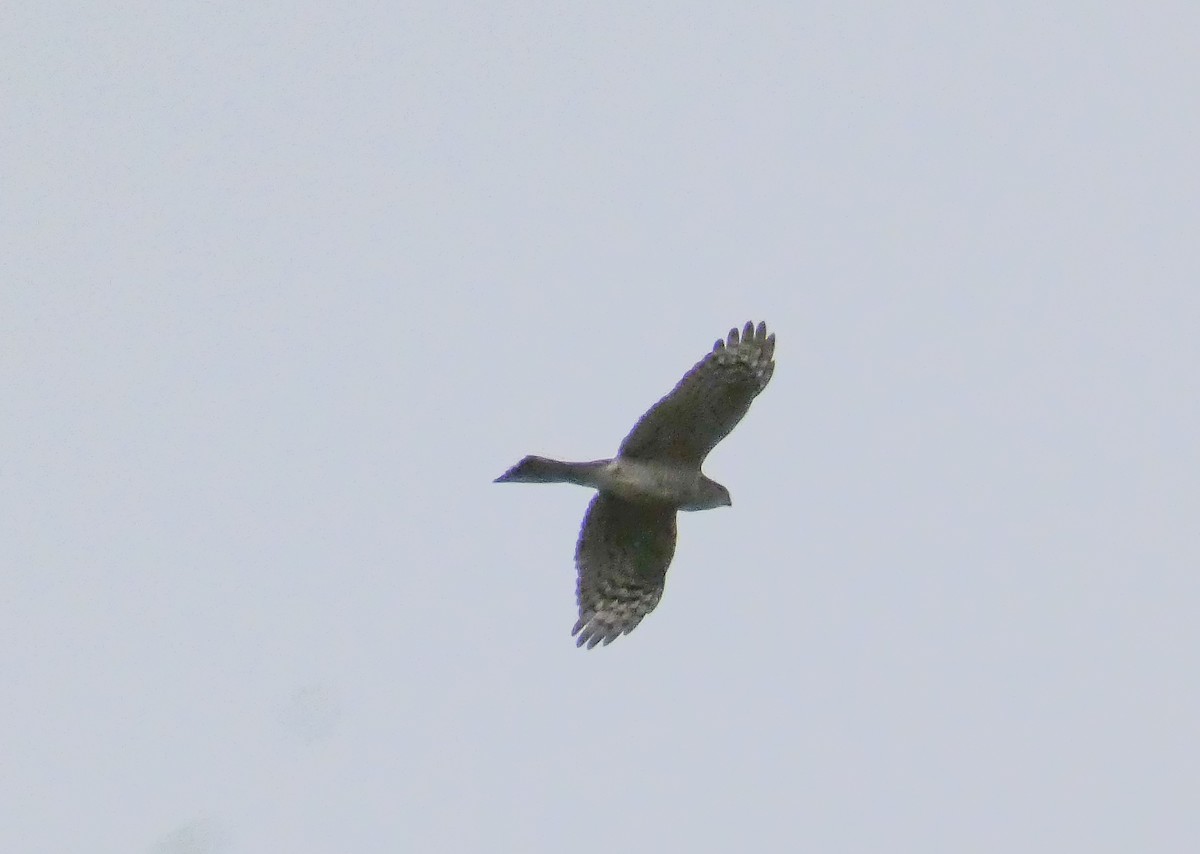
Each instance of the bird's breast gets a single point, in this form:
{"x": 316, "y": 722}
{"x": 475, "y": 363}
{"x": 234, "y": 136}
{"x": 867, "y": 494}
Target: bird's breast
{"x": 642, "y": 480}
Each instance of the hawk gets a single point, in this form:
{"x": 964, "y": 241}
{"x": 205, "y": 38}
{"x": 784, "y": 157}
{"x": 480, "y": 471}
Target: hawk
{"x": 628, "y": 535}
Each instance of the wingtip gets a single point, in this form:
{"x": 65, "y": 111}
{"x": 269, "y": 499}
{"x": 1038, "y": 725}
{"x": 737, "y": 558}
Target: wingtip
{"x": 747, "y": 332}
{"x": 590, "y": 633}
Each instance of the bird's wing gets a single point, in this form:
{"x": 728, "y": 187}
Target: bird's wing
{"x": 708, "y": 402}
{"x": 622, "y": 556}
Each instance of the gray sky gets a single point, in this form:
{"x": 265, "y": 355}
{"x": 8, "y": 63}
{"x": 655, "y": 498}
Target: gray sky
{"x": 285, "y": 286}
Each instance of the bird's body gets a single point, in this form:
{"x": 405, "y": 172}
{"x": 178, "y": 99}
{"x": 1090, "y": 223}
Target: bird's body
{"x": 628, "y": 535}
{"x": 639, "y": 481}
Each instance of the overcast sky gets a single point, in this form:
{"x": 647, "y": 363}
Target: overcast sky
{"x": 285, "y": 285}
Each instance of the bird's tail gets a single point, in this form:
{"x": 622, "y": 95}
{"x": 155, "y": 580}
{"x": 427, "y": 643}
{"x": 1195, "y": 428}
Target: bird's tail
{"x": 545, "y": 470}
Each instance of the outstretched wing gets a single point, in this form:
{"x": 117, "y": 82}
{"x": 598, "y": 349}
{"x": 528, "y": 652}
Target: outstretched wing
{"x": 622, "y": 556}
{"x": 708, "y": 402}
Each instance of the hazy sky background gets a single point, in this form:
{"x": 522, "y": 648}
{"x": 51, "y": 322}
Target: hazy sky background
{"x": 286, "y": 285}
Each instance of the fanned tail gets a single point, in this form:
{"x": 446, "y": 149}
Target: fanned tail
{"x": 545, "y": 470}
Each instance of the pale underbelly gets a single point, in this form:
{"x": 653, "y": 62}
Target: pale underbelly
{"x": 647, "y": 482}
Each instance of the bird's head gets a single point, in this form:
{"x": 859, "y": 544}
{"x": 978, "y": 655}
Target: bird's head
{"x": 710, "y": 494}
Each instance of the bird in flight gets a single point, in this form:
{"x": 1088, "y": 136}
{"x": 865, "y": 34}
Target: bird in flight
{"x": 628, "y": 535}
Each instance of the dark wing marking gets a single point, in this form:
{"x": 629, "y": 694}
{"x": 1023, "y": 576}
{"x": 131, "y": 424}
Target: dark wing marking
{"x": 622, "y": 556}
{"x": 708, "y": 402}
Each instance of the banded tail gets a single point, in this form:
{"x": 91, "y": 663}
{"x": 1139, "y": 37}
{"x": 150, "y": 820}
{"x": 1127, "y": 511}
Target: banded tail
{"x": 545, "y": 470}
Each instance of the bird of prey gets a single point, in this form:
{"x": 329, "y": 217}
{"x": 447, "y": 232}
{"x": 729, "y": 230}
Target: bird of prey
{"x": 628, "y": 535}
